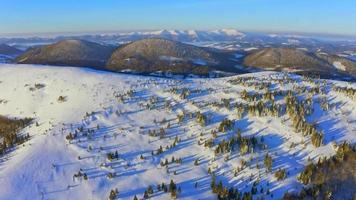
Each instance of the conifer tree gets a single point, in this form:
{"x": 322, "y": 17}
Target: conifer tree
{"x": 268, "y": 162}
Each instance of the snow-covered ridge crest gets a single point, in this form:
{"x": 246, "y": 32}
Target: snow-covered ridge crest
{"x": 198, "y": 35}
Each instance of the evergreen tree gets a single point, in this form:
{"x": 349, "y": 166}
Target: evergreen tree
{"x": 172, "y": 186}
{"x": 145, "y": 195}
{"x": 150, "y": 189}
{"x": 268, "y": 162}
{"x": 196, "y": 162}
{"x": 113, "y": 194}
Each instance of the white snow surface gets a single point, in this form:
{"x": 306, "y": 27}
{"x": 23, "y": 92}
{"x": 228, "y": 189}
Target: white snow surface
{"x": 43, "y": 167}
{"x": 339, "y": 66}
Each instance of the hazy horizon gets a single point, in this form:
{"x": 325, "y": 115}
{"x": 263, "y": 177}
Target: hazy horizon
{"x": 113, "y": 32}
{"x": 327, "y": 17}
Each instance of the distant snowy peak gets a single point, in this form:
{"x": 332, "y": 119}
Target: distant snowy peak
{"x": 192, "y": 32}
{"x": 188, "y": 35}
{"x": 230, "y": 32}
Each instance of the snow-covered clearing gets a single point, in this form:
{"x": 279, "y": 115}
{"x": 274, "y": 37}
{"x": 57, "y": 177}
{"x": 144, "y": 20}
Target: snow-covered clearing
{"x": 118, "y": 111}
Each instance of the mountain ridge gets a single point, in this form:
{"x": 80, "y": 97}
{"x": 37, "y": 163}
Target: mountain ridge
{"x": 299, "y": 61}
{"x": 68, "y": 52}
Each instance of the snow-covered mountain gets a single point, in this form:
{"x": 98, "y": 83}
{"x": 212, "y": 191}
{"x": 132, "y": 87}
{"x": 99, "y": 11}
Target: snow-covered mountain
{"x": 188, "y": 35}
{"x": 95, "y": 133}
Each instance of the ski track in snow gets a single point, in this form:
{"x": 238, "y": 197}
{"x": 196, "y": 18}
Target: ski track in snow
{"x": 43, "y": 167}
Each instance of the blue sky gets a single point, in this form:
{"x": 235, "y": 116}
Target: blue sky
{"x": 314, "y": 16}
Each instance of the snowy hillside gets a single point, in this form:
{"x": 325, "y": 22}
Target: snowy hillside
{"x": 99, "y": 131}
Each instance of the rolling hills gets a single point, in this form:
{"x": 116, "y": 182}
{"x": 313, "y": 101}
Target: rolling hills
{"x": 157, "y": 55}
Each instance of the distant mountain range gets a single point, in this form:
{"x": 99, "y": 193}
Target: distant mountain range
{"x": 184, "y": 36}
{"x": 155, "y": 54}
{"x": 9, "y": 50}
{"x": 177, "y": 35}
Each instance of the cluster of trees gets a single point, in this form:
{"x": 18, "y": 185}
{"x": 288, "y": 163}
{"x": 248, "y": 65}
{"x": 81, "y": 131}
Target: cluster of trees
{"x": 297, "y": 112}
{"x": 226, "y": 125}
{"x": 230, "y": 193}
{"x": 207, "y": 143}
{"x": 81, "y": 132}
{"x": 261, "y": 107}
{"x": 112, "y": 156}
{"x": 314, "y": 90}
{"x": 251, "y": 82}
{"x": 345, "y": 152}
{"x": 157, "y": 133}
{"x": 201, "y": 118}
{"x": 264, "y": 109}
{"x": 271, "y": 95}
{"x": 348, "y": 91}
{"x": 332, "y": 176}
{"x": 245, "y": 144}
{"x": 80, "y": 174}
{"x": 9, "y": 133}
{"x": 185, "y": 93}
{"x": 37, "y": 86}
{"x": 173, "y": 160}
{"x": 126, "y": 95}
{"x": 171, "y": 188}
{"x": 152, "y": 103}
{"x": 183, "y": 116}
{"x": 160, "y": 150}
{"x": 189, "y": 92}
{"x": 249, "y": 96}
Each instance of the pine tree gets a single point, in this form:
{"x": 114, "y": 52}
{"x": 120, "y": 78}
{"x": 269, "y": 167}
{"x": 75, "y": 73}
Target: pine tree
{"x": 145, "y": 195}
{"x": 150, "y": 190}
{"x": 172, "y": 186}
{"x": 280, "y": 174}
{"x": 268, "y": 162}
{"x": 113, "y": 194}
{"x": 196, "y": 162}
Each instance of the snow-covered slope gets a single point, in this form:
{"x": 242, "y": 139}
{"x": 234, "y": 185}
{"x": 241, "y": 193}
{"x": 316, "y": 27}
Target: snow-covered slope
{"x": 118, "y": 111}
